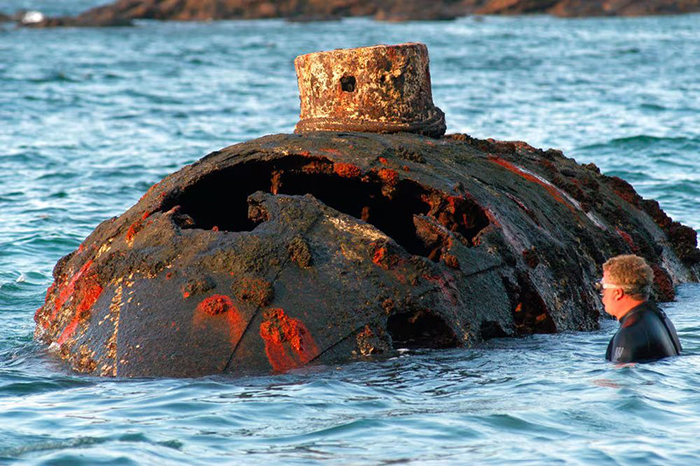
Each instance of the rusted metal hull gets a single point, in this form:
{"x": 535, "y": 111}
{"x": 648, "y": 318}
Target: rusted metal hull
{"x": 325, "y": 247}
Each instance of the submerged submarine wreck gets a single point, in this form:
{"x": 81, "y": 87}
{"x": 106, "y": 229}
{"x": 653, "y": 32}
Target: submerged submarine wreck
{"x": 365, "y": 231}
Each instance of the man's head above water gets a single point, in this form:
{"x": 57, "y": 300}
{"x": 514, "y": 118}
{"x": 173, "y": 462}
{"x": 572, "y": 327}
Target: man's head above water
{"x": 645, "y": 333}
{"x": 626, "y": 283}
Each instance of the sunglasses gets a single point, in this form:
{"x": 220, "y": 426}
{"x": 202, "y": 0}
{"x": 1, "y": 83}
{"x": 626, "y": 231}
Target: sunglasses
{"x": 600, "y": 287}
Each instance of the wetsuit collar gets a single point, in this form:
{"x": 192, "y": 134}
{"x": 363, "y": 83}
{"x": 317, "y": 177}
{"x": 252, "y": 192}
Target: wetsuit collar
{"x": 639, "y": 307}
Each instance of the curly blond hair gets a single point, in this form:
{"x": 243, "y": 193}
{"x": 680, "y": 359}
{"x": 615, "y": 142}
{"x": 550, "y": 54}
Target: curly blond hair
{"x": 632, "y": 274}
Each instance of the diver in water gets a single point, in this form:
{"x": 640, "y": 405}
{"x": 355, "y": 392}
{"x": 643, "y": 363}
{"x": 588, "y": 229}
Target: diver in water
{"x": 645, "y": 333}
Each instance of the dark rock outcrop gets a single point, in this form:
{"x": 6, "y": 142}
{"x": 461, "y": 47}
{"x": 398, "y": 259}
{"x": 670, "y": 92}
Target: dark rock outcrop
{"x": 578, "y": 8}
{"x": 328, "y": 246}
{"x": 122, "y": 12}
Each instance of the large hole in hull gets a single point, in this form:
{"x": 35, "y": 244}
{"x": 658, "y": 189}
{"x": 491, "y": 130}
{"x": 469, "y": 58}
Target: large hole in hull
{"x": 420, "y": 329}
{"x": 491, "y": 329}
{"x": 219, "y": 200}
{"x": 530, "y": 313}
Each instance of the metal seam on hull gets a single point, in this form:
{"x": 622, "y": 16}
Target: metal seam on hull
{"x": 250, "y": 322}
{"x": 258, "y": 308}
{"x": 352, "y": 332}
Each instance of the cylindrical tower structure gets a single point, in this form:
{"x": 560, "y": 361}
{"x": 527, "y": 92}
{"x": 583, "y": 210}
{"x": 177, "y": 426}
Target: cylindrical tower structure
{"x": 381, "y": 89}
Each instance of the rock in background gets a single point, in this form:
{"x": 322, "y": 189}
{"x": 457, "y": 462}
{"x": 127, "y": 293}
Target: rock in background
{"x": 122, "y": 12}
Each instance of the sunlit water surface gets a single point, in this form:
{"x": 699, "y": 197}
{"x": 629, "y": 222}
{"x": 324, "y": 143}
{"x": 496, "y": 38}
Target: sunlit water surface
{"x": 90, "y": 118}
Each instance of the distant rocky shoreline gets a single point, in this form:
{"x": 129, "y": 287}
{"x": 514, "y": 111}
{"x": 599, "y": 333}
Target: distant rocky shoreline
{"x": 123, "y": 12}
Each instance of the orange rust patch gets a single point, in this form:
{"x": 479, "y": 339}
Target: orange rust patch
{"x": 90, "y": 295}
{"x": 220, "y": 307}
{"x": 215, "y": 305}
{"x": 451, "y": 261}
{"x": 379, "y": 255}
{"x": 68, "y": 331}
{"x": 87, "y": 293}
{"x": 347, "y": 170}
{"x": 388, "y": 176}
{"x": 458, "y": 216}
{"x": 492, "y": 218}
{"x": 133, "y": 230}
{"x": 367, "y": 342}
{"x": 523, "y": 146}
{"x": 383, "y": 258}
{"x": 315, "y": 167}
{"x": 150, "y": 190}
{"x": 288, "y": 343}
{"x": 550, "y": 189}
{"x": 67, "y": 290}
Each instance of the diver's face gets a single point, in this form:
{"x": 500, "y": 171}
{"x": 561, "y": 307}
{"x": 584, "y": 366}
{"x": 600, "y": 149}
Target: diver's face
{"x": 610, "y": 295}
{"x": 604, "y": 293}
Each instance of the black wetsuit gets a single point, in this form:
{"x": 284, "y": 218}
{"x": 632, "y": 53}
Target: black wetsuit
{"x": 645, "y": 334}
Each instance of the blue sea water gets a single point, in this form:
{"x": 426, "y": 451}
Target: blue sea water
{"x": 90, "y": 118}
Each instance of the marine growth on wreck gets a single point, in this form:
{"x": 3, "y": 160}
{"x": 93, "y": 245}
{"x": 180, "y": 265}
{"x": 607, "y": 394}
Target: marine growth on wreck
{"x": 365, "y": 231}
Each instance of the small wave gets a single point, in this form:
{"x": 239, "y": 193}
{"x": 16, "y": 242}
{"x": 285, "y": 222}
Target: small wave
{"x": 15, "y": 452}
{"x": 648, "y": 139}
{"x": 54, "y": 77}
{"x": 653, "y": 107}
{"x": 33, "y": 387}
{"x": 353, "y": 428}
{"x": 641, "y": 140}
{"x": 628, "y": 51}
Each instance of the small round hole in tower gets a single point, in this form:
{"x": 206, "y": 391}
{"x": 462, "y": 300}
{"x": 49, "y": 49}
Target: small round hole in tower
{"x": 347, "y": 83}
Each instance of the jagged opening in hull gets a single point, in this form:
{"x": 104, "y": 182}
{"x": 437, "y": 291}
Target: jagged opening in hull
{"x": 220, "y": 200}
{"x": 460, "y": 215}
{"x": 490, "y": 329}
{"x": 530, "y": 313}
{"x": 420, "y": 329}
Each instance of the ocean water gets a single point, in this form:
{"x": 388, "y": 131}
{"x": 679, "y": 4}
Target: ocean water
{"x": 90, "y": 118}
